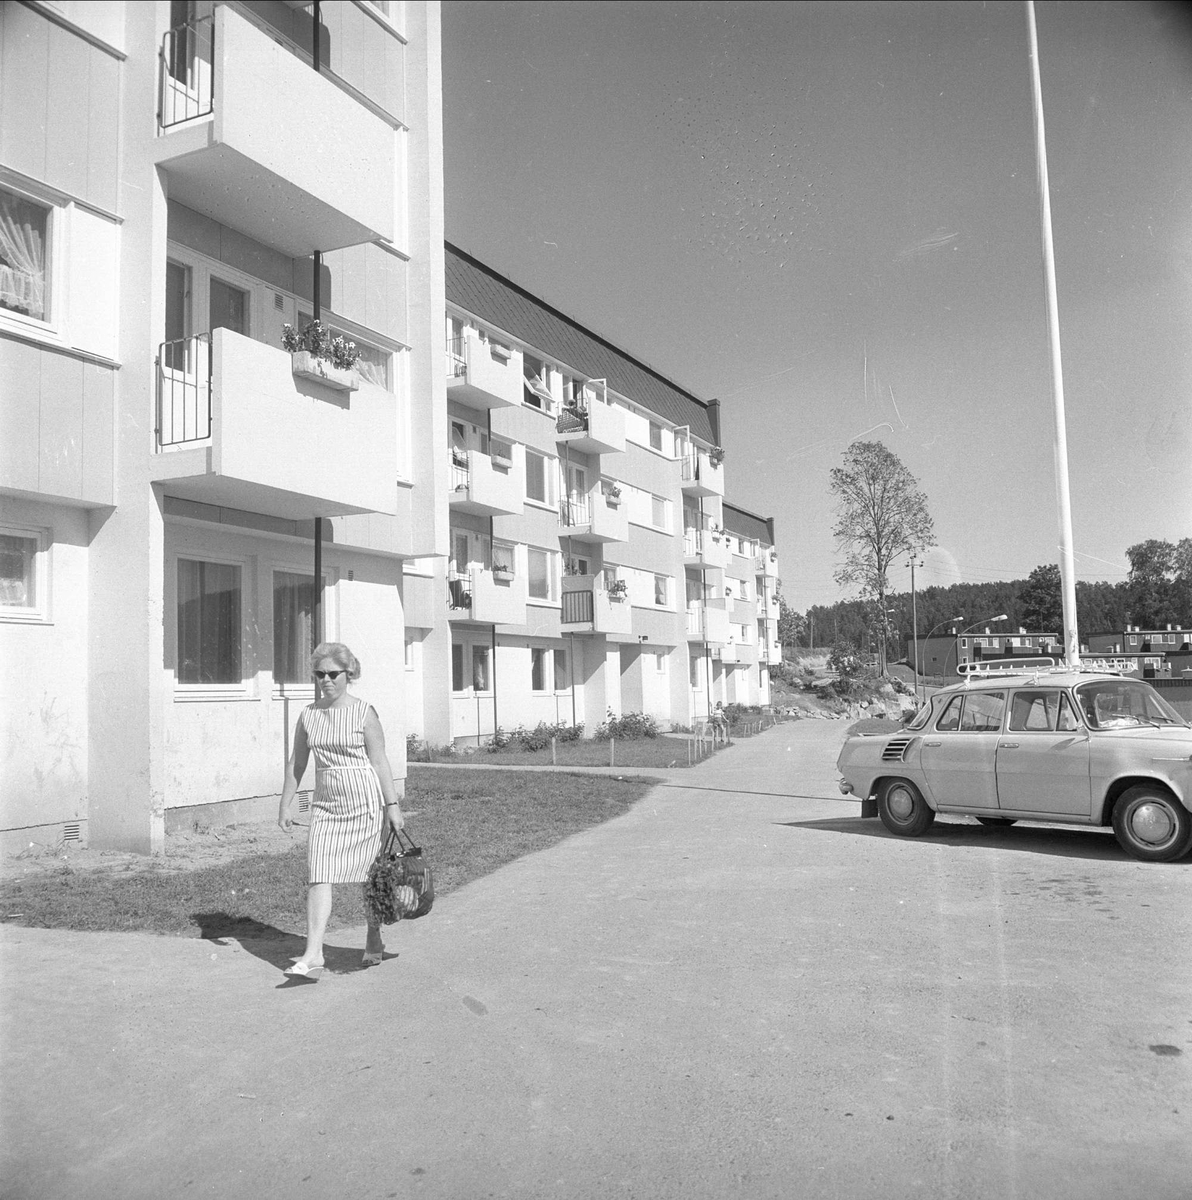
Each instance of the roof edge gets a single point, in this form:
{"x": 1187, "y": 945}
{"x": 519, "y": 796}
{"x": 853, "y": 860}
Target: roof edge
{"x": 562, "y": 316}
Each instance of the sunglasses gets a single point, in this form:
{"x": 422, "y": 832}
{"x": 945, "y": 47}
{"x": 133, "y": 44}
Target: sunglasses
{"x": 332, "y": 675}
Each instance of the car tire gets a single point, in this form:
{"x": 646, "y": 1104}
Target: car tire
{"x": 1151, "y": 824}
{"x": 998, "y": 822}
{"x": 903, "y": 810}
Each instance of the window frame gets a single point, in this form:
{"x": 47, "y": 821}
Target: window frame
{"x": 280, "y": 687}
{"x": 40, "y": 612}
{"x": 668, "y": 601}
{"x": 243, "y": 689}
{"x": 538, "y": 668}
{"x": 550, "y": 478}
{"x": 552, "y": 574}
{"x": 57, "y": 216}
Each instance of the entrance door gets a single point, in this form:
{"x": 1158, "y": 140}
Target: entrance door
{"x": 1043, "y": 757}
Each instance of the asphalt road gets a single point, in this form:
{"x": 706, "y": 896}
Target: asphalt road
{"x": 739, "y": 989}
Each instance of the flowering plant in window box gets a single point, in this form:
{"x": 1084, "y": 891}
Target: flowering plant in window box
{"x": 618, "y": 589}
{"x": 716, "y": 455}
{"x": 501, "y": 454}
{"x": 572, "y": 567}
{"x": 612, "y": 493}
{"x": 501, "y": 352}
{"x": 317, "y": 355}
{"x": 503, "y": 572}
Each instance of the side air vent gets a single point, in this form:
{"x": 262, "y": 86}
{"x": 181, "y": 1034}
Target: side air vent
{"x": 303, "y": 802}
{"x": 72, "y": 831}
{"x": 895, "y": 748}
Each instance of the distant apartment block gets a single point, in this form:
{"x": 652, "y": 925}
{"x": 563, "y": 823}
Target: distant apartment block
{"x": 593, "y": 564}
{"x": 941, "y": 653}
{"x": 178, "y": 181}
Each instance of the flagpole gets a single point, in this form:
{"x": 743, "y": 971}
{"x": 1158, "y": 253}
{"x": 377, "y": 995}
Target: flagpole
{"x": 1067, "y": 559}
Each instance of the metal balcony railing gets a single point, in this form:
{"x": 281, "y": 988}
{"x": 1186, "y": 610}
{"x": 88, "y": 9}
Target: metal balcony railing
{"x": 577, "y": 607}
{"x": 457, "y": 358}
{"x": 184, "y": 391}
{"x": 576, "y": 511}
{"x": 187, "y": 78}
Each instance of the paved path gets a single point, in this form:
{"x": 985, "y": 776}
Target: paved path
{"x": 738, "y": 989}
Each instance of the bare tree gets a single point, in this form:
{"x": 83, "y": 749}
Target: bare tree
{"x": 880, "y": 515}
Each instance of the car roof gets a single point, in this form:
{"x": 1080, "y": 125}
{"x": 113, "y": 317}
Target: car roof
{"x": 1002, "y": 678}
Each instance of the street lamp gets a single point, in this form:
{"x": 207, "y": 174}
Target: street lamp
{"x": 968, "y": 629}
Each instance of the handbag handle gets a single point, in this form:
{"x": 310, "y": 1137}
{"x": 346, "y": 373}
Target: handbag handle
{"x": 397, "y": 841}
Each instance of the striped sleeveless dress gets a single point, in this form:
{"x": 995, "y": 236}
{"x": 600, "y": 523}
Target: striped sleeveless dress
{"x": 347, "y": 811}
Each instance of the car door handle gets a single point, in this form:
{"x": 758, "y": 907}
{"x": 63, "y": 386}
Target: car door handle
{"x": 1007, "y": 745}
{"x": 933, "y": 743}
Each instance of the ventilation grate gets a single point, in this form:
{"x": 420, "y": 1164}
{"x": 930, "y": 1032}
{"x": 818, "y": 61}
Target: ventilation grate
{"x": 72, "y": 831}
{"x": 895, "y": 748}
{"x": 279, "y": 302}
{"x": 303, "y": 802}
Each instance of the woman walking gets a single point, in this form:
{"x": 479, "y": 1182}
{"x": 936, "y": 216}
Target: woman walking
{"x": 355, "y": 794}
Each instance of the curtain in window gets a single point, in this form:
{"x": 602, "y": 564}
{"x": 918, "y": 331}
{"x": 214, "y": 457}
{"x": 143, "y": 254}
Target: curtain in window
{"x": 22, "y": 255}
{"x": 539, "y": 569}
{"x": 293, "y": 609}
{"x": 208, "y": 622}
{"x": 18, "y": 582}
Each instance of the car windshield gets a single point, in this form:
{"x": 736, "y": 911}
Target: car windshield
{"x": 1123, "y": 703}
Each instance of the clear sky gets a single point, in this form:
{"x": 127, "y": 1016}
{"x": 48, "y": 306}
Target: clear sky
{"x": 826, "y": 215}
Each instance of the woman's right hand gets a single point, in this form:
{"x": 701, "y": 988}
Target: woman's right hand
{"x": 285, "y": 818}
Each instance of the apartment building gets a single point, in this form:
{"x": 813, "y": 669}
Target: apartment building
{"x": 178, "y": 181}
{"x": 751, "y": 595}
{"x": 588, "y": 560}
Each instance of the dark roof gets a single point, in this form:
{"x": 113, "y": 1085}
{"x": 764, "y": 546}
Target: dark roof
{"x": 479, "y": 290}
{"x": 747, "y": 524}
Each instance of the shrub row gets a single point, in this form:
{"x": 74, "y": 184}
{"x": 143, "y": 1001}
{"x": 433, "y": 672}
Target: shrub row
{"x": 537, "y": 738}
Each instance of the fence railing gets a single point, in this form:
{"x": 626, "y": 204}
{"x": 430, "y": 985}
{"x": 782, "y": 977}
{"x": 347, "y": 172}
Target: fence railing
{"x": 187, "y": 79}
{"x": 577, "y": 511}
{"x": 184, "y": 391}
{"x": 457, "y": 358}
{"x": 577, "y": 608}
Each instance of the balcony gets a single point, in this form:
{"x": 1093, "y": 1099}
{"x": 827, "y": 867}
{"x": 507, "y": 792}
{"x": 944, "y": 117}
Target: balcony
{"x": 490, "y": 485}
{"x": 322, "y": 182}
{"x": 483, "y": 374}
{"x": 595, "y": 517}
{"x": 593, "y": 428}
{"x": 772, "y": 652}
{"x": 708, "y": 621}
{"x": 490, "y": 596}
{"x": 705, "y": 550}
{"x": 766, "y": 564}
{"x": 700, "y": 476}
{"x": 588, "y": 608}
{"x": 236, "y": 427}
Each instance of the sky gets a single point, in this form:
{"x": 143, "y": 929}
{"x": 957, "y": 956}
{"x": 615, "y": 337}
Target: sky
{"x": 827, "y": 216}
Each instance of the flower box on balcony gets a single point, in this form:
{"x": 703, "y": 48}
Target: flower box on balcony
{"x": 307, "y": 366}
{"x": 501, "y": 458}
{"x": 503, "y": 574}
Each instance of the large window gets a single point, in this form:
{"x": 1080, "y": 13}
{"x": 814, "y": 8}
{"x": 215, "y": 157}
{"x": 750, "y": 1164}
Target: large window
{"x": 457, "y": 667}
{"x": 208, "y": 622}
{"x": 659, "y": 512}
{"x": 541, "y": 565}
{"x": 481, "y": 668}
{"x": 25, "y": 230}
{"x": 662, "y": 585}
{"x": 293, "y": 609}
{"x": 22, "y": 590}
{"x": 536, "y": 383}
{"x": 655, "y": 436}
{"x": 541, "y": 475}
{"x": 537, "y": 669}
{"x": 562, "y": 671}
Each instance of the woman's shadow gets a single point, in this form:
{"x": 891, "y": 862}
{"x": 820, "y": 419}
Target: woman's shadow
{"x": 275, "y": 946}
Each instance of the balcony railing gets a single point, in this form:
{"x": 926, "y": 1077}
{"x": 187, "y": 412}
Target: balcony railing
{"x": 576, "y": 511}
{"x": 457, "y": 358}
{"x": 459, "y": 591}
{"x": 187, "y": 79}
{"x": 577, "y": 608}
{"x": 572, "y": 420}
{"x": 184, "y": 391}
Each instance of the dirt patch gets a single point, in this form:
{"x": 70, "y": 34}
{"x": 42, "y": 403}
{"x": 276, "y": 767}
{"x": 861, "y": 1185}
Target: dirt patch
{"x": 185, "y": 851}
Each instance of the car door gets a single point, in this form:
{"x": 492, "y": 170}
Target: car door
{"x": 959, "y": 753}
{"x": 1043, "y": 757}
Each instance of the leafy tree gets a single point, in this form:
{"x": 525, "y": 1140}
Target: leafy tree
{"x": 1040, "y": 601}
{"x": 1150, "y": 587}
{"x": 880, "y": 515}
{"x": 790, "y": 624}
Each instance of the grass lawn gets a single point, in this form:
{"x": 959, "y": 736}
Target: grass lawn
{"x": 661, "y": 751}
{"x": 469, "y": 823}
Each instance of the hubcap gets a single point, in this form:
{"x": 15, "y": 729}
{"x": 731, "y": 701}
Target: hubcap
{"x": 1152, "y": 823}
{"x": 901, "y": 804}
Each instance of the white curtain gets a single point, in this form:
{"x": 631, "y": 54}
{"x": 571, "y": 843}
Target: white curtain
{"x": 22, "y": 255}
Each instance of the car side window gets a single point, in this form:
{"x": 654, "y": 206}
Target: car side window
{"x": 1034, "y": 711}
{"x": 1067, "y": 719}
{"x": 983, "y": 712}
{"x": 950, "y": 717}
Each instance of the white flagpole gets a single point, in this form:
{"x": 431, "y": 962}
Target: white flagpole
{"x": 1067, "y": 560}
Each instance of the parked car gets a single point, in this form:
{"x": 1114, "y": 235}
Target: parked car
{"x": 1040, "y": 744}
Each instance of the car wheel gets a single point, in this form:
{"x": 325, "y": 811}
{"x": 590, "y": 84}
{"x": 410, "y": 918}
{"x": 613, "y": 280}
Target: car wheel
{"x": 998, "y": 822}
{"x": 1151, "y": 824}
{"x": 903, "y": 810}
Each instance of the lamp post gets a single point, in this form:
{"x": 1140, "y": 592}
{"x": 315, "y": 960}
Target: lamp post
{"x": 915, "y": 622}
{"x": 968, "y": 629}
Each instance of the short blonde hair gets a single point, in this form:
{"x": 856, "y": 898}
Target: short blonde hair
{"x": 340, "y": 655}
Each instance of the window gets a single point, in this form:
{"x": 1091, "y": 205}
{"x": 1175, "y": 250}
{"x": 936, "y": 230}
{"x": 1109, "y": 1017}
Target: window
{"x": 537, "y": 669}
{"x": 409, "y": 655}
{"x": 536, "y": 383}
{"x": 655, "y": 436}
{"x": 540, "y": 478}
{"x": 481, "y": 676}
{"x": 950, "y": 719}
{"x": 25, "y": 231}
{"x": 178, "y": 294}
{"x": 457, "y": 667}
{"x": 208, "y": 622}
{"x": 22, "y": 565}
{"x": 693, "y": 661}
{"x": 660, "y": 661}
{"x": 982, "y": 712}
{"x": 373, "y": 364}
{"x": 227, "y": 307}
{"x": 541, "y": 574}
{"x": 662, "y": 590}
{"x": 293, "y": 608}
{"x": 658, "y": 512}
{"x": 562, "y": 671}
